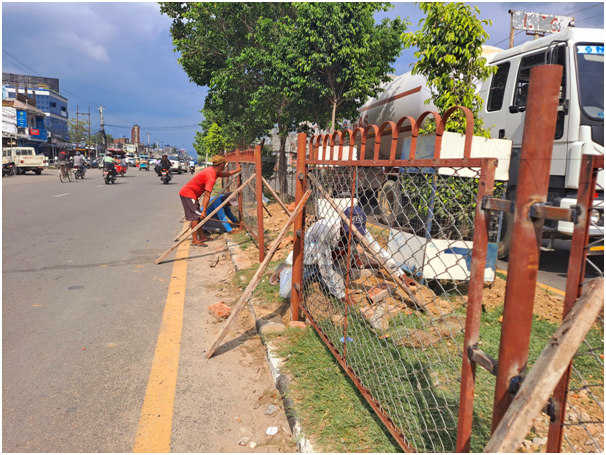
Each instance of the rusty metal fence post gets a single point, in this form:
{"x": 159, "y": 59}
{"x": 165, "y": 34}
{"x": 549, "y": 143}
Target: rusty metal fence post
{"x": 574, "y": 286}
{"x": 240, "y": 205}
{"x": 259, "y": 188}
{"x": 533, "y": 182}
{"x": 474, "y": 306}
{"x": 297, "y": 269}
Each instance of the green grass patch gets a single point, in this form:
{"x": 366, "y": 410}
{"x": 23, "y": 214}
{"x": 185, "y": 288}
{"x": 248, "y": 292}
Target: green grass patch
{"x": 502, "y": 276}
{"x": 264, "y": 291}
{"x": 418, "y": 387}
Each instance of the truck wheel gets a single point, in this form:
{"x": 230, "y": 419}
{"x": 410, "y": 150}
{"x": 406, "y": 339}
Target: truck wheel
{"x": 390, "y": 203}
{"x": 179, "y": 172}
{"x": 38, "y": 172}
{"x": 506, "y": 230}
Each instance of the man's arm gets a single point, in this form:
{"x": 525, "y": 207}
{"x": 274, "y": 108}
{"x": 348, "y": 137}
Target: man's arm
{"x": 205, "y": 204}
{"x": 376, "y": 248}
{"x": 229, "y": 173}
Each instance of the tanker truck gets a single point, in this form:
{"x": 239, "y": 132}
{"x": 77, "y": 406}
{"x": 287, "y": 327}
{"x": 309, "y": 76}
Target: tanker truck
{"x": 579, "y": 130}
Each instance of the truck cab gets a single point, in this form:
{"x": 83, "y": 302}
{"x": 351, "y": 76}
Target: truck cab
{"x": 580, "y": 123}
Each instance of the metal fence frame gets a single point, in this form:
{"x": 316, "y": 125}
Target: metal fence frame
{"x": 250, "y": 160}
{"x": 471, "y": 356}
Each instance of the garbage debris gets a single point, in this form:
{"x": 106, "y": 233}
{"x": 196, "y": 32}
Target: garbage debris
{"x": 349, "y": 339}
{"x": 219, "y": 310}
{"x": 244, "y": 441}
{"x": 271, "y": 431}
{"x": 252, "y": 445}
{"x": 271, "y": 409}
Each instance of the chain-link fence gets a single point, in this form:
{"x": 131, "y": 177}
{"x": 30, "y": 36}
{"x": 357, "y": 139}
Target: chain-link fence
{"x": 393, "y": 304}
{"x": 284, "y": 183}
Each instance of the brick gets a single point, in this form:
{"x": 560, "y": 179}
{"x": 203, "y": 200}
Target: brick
{"x": 219, "y": 310}
{"x": 292, "y": 207}
{"x": 379, "y": 292}
{"x": 297, "y": 325}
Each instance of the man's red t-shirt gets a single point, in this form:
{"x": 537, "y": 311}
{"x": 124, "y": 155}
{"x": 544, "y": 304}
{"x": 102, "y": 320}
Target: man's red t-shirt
{"x": 203, "y": 181}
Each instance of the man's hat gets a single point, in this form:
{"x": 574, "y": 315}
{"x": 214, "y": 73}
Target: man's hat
{"x": 358, "y": 219}
{"x": 218, "y": 160}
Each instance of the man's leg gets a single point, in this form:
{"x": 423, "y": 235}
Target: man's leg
{"x": 198, "y": 237}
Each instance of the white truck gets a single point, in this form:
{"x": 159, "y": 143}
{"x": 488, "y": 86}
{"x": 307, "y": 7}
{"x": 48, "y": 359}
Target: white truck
{"x": 25, "y": 159}
{"x": 579, "y": 130}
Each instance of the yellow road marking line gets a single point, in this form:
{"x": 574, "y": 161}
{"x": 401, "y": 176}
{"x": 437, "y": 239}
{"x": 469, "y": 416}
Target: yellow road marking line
{"x": 155, "y": 423}
{"x": 541, "y": 285}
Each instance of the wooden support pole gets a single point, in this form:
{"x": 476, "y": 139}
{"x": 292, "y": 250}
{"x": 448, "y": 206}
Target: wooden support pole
{"x": 364, "y": 242}
{"x": 233, "y": 177}
{"x": 256, "y": 279}
{"x": 201, "y": 223}
{"x": 275, "y": 195}
{"x": 547, "y": 371}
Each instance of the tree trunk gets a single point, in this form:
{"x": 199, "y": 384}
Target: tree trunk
{"x": 334, "y": 111}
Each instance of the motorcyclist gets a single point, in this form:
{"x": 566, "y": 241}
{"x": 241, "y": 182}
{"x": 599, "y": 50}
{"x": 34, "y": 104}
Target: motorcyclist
{"x": 79, "y": 162}
{"x": 163, "y": 164}
{"x": 108, "y": 163}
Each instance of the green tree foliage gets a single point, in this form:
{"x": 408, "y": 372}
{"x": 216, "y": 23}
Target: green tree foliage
{"x": 78, "y": 130}
{"x": 450, "y": 57}
{"x": 337, "y": 55}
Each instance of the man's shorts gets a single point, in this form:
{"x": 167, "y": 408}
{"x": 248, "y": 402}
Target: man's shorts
{"x": 191, "y": 207}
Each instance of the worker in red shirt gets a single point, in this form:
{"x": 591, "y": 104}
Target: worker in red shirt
{"x": 203, "y": 182}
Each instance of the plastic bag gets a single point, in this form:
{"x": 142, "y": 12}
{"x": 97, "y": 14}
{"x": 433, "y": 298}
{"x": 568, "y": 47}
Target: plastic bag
{"x": 286, "y": 283}
{"x": 289, "y": 259}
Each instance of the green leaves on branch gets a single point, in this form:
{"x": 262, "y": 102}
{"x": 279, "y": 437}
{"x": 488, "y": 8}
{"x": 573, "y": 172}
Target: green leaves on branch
{"x": 450, "y": 57}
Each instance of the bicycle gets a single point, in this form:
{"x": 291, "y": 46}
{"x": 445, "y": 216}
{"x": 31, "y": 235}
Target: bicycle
{"x": 65, "y": 172}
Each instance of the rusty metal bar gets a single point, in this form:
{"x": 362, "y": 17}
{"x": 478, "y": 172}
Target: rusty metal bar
{"x": 548, "y": 212}
{"x": 297, "y": 267}
{"x": 533, "y": 179}
{"x": 374, "y": 404}
{"x": 484, "y": 360}
{"x": 474, "y": 305}
{"x": 240, "y": 205}
{"x": 499, "y": 205}
{"x": 259, "y": 187}
{"x": 444, "y": 162}
{"x": 574, "y": 287}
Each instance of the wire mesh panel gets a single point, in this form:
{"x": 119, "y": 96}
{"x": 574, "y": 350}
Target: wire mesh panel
{"x": 391, "y": 302}
{"x": 249, "y": 201}
{"x": 583, "y": 426}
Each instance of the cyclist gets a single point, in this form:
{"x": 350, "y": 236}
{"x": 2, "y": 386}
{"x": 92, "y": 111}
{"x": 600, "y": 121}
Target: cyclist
{"x": 163, "y": 164}
{"x": 108, "y": 163}
{"x": 63, "y": 160}
{"x": 79, "y": 162}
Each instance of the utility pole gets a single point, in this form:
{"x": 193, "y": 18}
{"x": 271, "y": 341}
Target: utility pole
{"x": 511, "y": 31}
{"x": 77, "y": 120}
{"x": 103, "y": 129}
{"x": 89, "y": 136}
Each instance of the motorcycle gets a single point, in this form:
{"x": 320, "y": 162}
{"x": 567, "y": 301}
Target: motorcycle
{"x": 78, "y": 173}
{"x": 165, "y": 176}
{"x": 8, "y": 169}
{"x": 192, "y": 169}
{"x": 108, "y": 177}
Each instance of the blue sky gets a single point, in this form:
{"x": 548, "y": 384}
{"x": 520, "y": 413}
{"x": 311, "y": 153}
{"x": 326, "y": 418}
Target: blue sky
{"x": 120, "y": 55}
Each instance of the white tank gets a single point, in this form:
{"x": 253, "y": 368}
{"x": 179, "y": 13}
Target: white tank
{"x": 405, "y": 95}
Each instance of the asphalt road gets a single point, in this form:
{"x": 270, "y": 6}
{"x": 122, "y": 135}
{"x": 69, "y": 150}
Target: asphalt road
{"x": 82, "y": 304}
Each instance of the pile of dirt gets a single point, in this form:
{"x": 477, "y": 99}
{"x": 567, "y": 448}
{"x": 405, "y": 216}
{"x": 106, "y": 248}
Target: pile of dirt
{"x": 546, "y": 306}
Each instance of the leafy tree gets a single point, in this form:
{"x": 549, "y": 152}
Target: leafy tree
{"x": 450, "y": 57}
{"x": 78, "y": 130}
{"x": 339, "y": 56}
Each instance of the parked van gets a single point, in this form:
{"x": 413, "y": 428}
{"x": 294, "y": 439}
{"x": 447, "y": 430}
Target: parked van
{"x": 25, "y": 159}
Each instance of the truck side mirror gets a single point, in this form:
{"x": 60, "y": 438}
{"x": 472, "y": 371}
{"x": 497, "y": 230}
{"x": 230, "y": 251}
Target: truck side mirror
{"x": 516, "y": 109}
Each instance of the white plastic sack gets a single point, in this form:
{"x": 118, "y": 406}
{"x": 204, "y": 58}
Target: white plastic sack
{"x": 289, "y": 259}
{"x": 286, "y": 283}
{"x": 265, "y": 199}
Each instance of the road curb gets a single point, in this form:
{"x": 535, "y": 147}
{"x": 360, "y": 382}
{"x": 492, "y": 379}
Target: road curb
{"x": 281, "y": 381}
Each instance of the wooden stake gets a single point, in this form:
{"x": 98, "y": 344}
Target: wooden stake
{"x": 547, "y": 371}
{"x": 273, "y": 193}
{"x": 231, "y": 180}
{"x": 257, "y": 278}
{"x": 201, "y": 223}
{"x": 364, "y": 242}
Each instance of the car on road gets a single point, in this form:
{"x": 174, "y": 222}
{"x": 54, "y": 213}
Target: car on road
{"x": 25, "y": 159}
{"x": 175, "y": 164}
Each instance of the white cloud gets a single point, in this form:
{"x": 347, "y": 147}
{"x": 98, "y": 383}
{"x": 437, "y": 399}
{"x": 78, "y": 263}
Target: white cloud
{"x": 89, "y": 48}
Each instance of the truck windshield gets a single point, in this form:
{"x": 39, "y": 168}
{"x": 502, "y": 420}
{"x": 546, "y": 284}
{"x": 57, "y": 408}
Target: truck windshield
{"x": 173, "y": 157}
{"x": 590, "y": 67}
